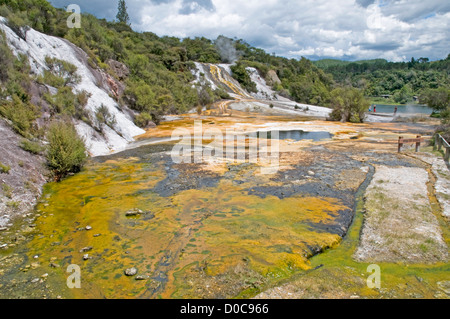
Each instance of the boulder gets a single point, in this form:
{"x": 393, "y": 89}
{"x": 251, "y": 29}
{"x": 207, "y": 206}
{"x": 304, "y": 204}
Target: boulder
{"x": 130, "y": 271}
{"x": 134, "y": 212}
{"x": 272, "y": 78}
{"x": 120, "y": 69}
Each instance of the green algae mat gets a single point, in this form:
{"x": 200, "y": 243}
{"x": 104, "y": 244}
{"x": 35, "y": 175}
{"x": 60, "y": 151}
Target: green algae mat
{"x": 192, "y": 231}
{"x": 199, "y": 233}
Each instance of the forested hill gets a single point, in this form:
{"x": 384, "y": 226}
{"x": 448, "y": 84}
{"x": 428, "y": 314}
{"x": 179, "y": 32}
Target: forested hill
{"x": 299, "y": 79}
{"x": 401, "y": 80}
{"x": 160, "y": 77}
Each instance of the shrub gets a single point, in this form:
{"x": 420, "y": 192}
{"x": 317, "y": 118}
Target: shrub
{"x": 21, "y": 114}
{"x": 51, "y": 79}
{"x": 13, "y": 205}
{"x": 7, "y": 190}
{"x": 66, "y": 151}
{"x": 205, "y": 95}
{"x": 66, "y": 102}
{"x": 6, "y": 58}
{"x": 19, "y": 24}
{"x": 32, "y": 147}
{"x": 63, "y": 70}
{"x": 4, "y": 168}
{"x": 348, "y": 104}
{"x": 241, "y": 75}
{"x": 143, "y": 119}
{"x": 140, "y": 96}
{"x": 221, "y": 93}
{"x": 103, "y": 116}
{"x": 437, "y": 99}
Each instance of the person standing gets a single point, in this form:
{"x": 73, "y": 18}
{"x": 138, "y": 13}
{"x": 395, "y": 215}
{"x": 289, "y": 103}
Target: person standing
{"x": 395, "y": 110}
{"x": 374, "y": 109}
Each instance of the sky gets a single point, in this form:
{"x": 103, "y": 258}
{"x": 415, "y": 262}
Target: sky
{"x": 395, "y": 30}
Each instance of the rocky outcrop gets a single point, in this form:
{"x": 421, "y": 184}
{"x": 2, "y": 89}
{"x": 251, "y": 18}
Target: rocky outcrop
{"x": 103, "y": 89}
{"x": 120, "y": 69}
{"x": 272, "y": 78}
{"x": 21, "y": 187}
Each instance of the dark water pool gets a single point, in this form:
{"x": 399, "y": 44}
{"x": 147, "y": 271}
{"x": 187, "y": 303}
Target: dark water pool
{"x": 297, "y": 135}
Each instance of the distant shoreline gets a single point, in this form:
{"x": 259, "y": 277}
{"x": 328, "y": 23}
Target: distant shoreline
{"x": 388, "y": 102}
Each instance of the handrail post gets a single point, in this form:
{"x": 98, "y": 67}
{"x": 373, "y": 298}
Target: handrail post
{"x": 400, "y": 138}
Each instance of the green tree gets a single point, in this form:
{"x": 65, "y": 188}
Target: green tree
{"x": 348, "y": 104}
{"x": 437, "y": 99}
{"x": 122, "y": 14}
{"x": 66, "y": 151}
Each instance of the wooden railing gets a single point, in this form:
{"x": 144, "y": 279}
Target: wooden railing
{"x": 440, "y": 142}
{"x": 416, "y": 140}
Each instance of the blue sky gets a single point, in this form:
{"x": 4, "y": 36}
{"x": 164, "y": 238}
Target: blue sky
{"x": 343, "y": 29}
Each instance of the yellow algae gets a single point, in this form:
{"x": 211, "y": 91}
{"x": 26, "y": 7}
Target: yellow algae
{"x": 222, "y": 229}
{"x": 270, "y": 232}
{"x": 97, "y": 197}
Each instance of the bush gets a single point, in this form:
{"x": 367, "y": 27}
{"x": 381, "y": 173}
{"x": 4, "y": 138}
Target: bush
{"x": 143, "y": 119}
{"x": 66, "y": 151}
{"x": 68, "y": 103}
{"x": 51, "y": 79}
{"x": 32, "y": 147}
{"x": 241, "y": 75}
{"x": 13, "y": 205}
{"x": 348, "y": 104}
{"x": 63, "y": 70}
{"x": 222, "y": 94}
{"x": 19, "y": 24}
{"x": 6, "y": 58}
{"x": 7, "y": 190}
{"x": 103, "y": 116}
{"x": 22, "y": 115}
{"x": 4, "y": 168}
{"x": 437, "y": 99}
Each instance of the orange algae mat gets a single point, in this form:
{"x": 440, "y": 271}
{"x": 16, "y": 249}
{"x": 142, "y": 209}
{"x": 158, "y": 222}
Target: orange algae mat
{"x": 217, "y": 241}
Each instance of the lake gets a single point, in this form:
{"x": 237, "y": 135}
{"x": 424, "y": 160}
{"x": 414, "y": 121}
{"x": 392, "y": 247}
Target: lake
{"x": 403, "y": 109}
{"x": 298, "y": 135}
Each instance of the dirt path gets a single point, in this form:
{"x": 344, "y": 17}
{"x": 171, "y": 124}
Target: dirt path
{"x": 442, "y": 173}
{"x": 399, "y": 225}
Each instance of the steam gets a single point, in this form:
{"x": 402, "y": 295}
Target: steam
{"x": 227, "y": 50}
